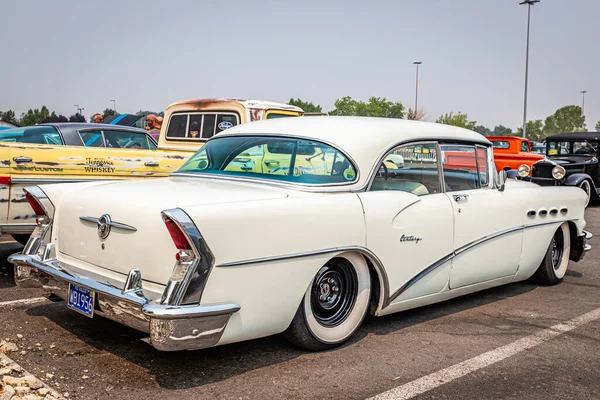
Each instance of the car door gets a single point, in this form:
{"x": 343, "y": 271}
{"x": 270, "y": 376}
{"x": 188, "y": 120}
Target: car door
{"x": 409, "y": 221}
{"x": 487, "y": 222}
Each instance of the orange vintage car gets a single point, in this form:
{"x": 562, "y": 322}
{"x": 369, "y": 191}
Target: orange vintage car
{"x": 512, "y": 151}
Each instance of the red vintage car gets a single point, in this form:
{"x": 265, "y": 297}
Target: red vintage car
{"x": 512, "y": 151}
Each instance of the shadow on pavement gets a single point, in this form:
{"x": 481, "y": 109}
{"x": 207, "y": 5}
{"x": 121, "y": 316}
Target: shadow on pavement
{"x": 183, "y": 370}
{"x": 7, "y": 277}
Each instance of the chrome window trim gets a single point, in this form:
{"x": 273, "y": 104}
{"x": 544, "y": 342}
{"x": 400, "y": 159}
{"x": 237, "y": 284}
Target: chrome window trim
{"x": 279, "y": 183}
{"x": 382, "y": 155}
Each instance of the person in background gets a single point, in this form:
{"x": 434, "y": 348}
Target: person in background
{"x": 97, "y": 118}
{"x": 153, "y": 124}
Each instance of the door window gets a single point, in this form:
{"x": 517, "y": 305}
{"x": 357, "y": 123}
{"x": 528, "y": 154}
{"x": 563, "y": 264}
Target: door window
{"x": 482, "y": 164}
{"x": 460, "y": 167}
{"x": 125, "y": 140}
{"x": 410, "y": 168}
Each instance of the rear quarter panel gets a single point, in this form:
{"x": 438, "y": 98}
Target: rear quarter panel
{"x": 269, "y": 293}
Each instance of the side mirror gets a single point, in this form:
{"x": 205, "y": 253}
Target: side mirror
{"x": 502, "y": 177}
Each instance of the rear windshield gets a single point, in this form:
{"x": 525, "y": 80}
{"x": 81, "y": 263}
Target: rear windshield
{"x": 199, "y": 126}
{"x": 40, "y": 134}
{"x": 278, "y": 159}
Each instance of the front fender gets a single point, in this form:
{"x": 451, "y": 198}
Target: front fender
{"x": 576, "y": 179}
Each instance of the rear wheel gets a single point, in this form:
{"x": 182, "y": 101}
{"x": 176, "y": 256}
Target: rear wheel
{"x": 21, "y": 238}
{"x": 555, "y": 262}
{"x": 334, "y": 304}
{"x": 587, "y": 188}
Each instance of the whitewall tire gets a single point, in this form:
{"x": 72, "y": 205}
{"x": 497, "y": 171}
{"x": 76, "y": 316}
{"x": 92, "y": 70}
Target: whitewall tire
{"x": 556, "y": 260}
{"x": 587, "y": 188}
{"x": 334, "y": 305}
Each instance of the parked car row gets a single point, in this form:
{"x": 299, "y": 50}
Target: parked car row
{"x": 298, "y": 226}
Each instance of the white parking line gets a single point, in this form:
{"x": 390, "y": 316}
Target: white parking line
{"x": 446, "y": 375}
{"x": 22, "y": 301}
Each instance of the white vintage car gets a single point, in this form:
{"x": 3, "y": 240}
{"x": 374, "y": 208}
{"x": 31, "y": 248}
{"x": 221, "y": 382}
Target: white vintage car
{"x": 301, "y": 226}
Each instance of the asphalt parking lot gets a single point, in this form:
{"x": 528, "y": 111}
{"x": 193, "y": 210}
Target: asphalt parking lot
{"x": 490, "y": 345}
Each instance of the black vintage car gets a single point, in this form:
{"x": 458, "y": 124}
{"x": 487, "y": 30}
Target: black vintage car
{"x": 571, "y": 160}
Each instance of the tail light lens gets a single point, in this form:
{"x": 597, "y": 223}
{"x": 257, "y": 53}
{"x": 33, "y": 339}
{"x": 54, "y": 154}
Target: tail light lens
{"x": 177, "y": 235}
{"x": 37, "y": 207}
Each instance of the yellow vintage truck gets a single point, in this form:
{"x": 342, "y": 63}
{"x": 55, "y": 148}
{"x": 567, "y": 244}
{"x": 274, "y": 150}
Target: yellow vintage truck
{"x": 74, "y": 152}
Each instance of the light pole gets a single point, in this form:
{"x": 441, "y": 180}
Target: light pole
{"x": 583, "y": 92}
{"x": 529, "y": 4}
{"x": 417, "y": 63}
{"x": 114, "y": 105}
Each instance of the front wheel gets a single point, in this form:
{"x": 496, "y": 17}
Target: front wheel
{"x": 555, "y": 262}
{"x": 334, "y": 305}
{"x": 587, "y": 188}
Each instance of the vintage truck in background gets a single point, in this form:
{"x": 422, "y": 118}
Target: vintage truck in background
{"x": 69, "y": 152}
{"x": 511, "y": 151}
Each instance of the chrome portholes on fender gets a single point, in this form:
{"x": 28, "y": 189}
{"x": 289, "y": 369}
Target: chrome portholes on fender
{"x": 334, "y": 304}
{"x": 556, "y": 260}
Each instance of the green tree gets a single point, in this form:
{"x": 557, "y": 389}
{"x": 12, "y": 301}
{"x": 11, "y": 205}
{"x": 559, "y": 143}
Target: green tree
{"x": 306, "y": 106}
{"x": 108, "y": 111}
{"x": 77, "y": 118}
{"x": 535, "y": 130}
{"x": 8, "y": 116}
{"x": 598, "y": 126}
{"x": 375, "y": 107}
{"x": 483, "y": 130}
{"x": 415, "y": 116}
{"x": 564, "y": 120}
{"x": 501, "y": 130}
{"x": 35, "y": 116}
{"x": 458, "y": 119}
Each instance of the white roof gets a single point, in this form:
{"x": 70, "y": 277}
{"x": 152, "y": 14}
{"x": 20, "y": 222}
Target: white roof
{"x": 362, "y": 138}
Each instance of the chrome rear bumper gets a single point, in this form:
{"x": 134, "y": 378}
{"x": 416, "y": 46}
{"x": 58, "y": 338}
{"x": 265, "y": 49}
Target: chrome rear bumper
{"x": 171, "y": 328}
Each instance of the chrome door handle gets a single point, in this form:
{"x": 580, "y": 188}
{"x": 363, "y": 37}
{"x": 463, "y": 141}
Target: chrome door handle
{"x": 151, "y": 164}
{"x": 459, "y": 197}
{"x": 21, "y": 159}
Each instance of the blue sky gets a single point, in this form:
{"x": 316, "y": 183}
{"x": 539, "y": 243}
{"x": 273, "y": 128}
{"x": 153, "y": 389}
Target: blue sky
{"x": 149, "y": 54}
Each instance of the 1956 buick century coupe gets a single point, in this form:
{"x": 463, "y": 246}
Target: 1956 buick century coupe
{"x": 301, "y": 226}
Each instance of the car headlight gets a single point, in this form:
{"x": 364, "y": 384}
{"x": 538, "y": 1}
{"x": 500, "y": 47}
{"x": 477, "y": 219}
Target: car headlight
{"x": 558, "y": 172}
{"x": 523, "y": 170}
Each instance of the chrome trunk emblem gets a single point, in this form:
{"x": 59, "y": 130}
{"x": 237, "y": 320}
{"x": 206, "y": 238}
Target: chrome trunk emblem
{"x": 104, "y": 225}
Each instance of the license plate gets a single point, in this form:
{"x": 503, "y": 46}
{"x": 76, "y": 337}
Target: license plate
{"x": 81, "y": 300}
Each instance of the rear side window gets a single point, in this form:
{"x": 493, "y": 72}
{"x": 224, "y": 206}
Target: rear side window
{"x": 524, "y": 147}
{"x": 500, "y": 144}
{"x": 92, "y": 138}
{"x": 200, "y": 125}
{"x": 40, "y": 134}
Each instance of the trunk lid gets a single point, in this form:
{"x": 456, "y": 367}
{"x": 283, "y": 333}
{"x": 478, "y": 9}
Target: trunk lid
{"x": 139, "y": 205}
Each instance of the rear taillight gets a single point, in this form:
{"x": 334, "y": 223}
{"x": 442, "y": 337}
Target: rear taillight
{"x": 35, "y": 204}
{"x": 179, "y": 239}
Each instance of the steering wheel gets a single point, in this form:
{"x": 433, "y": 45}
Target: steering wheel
{"x": 386, "y": 174}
